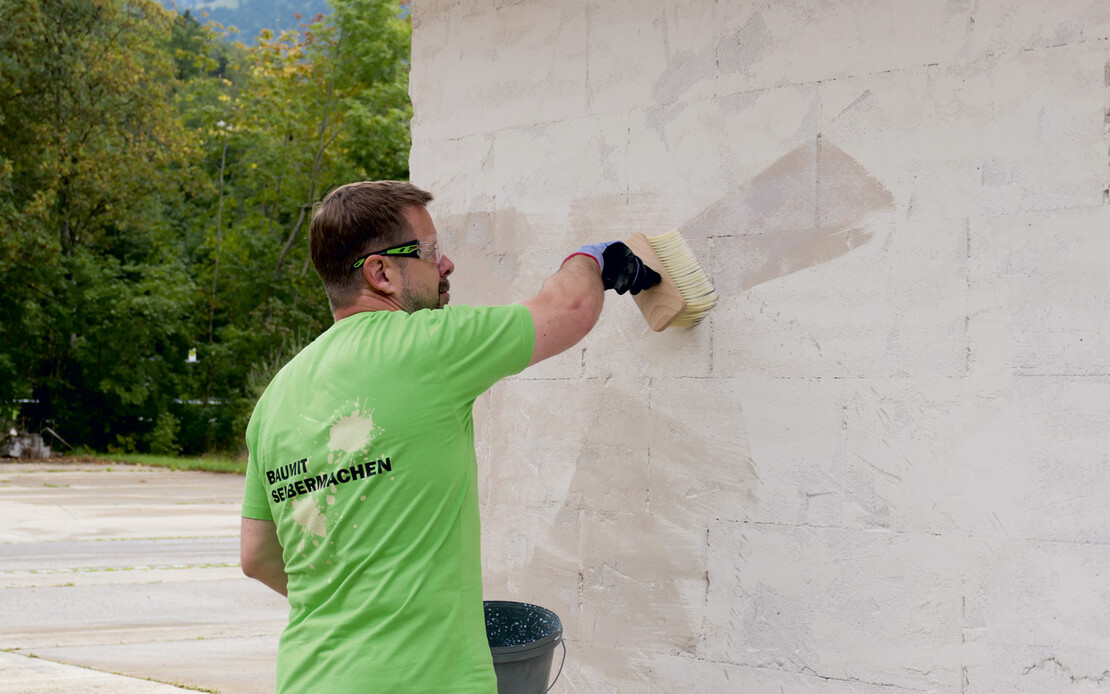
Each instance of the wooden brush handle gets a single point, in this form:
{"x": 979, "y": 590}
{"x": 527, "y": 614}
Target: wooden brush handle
{"x": 662, "y": 303}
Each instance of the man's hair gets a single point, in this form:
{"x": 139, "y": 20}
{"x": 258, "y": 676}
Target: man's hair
{"x": 354, "y": 220}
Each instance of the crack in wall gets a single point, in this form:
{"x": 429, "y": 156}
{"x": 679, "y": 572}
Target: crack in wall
{"x": 1052, "y": 660}
{"x": 1106, "y": 131}
{"x": 855, "y": 680}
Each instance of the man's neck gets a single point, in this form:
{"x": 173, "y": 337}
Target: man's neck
{"x": 365, "y": 303}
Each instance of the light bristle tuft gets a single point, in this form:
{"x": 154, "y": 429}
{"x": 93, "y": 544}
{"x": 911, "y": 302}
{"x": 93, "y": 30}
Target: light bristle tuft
{"x": 687, "y": 273}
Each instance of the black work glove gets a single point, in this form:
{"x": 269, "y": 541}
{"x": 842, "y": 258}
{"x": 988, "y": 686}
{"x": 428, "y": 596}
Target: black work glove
{"x": 623, "y": 271}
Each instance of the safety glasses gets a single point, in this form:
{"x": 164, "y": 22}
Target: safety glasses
{"x": 425, "y": 250}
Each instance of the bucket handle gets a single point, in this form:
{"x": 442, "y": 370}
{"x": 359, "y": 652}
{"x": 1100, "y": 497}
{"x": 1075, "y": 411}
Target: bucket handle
{"x": 564, "y": 662}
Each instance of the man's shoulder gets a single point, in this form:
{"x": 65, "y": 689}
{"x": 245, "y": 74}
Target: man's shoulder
{"x": 470, "y": 318}
{"x": 457, "y": 312}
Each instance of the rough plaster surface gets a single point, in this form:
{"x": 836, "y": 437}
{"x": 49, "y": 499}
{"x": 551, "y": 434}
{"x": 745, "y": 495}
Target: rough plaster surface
{"x": 880, "y": 465}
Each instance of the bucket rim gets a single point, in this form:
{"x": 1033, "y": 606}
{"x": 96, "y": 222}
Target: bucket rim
{"x": 517, "y": 603}
{"x": 507, "y": 654}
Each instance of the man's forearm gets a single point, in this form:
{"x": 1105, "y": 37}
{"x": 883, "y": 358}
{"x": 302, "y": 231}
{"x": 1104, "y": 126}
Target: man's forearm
{"x": 577, "y": 286}
{"x": 260, "y": 554}
{"x": 567, "y": 306}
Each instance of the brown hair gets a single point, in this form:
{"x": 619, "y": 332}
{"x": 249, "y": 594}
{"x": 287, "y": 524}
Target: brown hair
{"x": 354, "y": 220}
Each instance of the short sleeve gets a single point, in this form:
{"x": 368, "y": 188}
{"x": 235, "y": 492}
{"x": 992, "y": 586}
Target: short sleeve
{"x": 255, "y": 504}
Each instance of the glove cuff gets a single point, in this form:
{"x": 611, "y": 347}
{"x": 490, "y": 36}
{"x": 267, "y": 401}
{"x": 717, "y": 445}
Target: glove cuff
{"x": 596, "y": 258}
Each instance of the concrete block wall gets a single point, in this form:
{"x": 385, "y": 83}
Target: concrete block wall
{"x": 881, "y": 464}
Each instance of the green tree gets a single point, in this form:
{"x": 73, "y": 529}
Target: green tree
{"x": 373, "y": 61}
{"x": 156, "y": 184}
{"x": 96, "y": 295}
{"x": 316, "y": 108}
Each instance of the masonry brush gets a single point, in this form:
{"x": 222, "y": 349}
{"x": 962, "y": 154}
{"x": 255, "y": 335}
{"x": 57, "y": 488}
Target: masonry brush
{"x": 685, "y": 294}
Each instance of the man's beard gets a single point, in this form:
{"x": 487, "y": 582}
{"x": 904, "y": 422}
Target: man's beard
{"x": 412, "y": 301}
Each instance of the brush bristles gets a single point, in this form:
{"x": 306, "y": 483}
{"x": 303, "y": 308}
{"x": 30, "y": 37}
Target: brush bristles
{"x": 687, "y": 274}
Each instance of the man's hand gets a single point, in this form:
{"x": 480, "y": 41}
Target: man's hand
{"x": 621, "y": 269}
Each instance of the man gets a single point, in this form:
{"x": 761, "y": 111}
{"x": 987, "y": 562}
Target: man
{"x": 361, "y": 497}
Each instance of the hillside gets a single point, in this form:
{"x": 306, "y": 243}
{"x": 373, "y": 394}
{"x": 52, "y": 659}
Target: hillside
{"x": 252, "y": 16}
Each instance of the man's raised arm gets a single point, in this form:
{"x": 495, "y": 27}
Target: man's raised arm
{"x": 570, "y": 302}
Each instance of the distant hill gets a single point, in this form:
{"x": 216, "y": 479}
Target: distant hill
{"x": 252, "y": 16}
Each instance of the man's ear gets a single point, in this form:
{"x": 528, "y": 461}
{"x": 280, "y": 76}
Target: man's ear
{"x": 382, "y": 274}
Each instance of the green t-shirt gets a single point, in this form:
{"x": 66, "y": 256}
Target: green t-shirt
{"x": 362, "y": 453}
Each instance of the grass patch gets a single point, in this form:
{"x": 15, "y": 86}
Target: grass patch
{"x": 203, "y": 464}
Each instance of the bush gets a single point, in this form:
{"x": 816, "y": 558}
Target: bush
{"x": 163, "y": 438}
{"x": 125, "y": 443}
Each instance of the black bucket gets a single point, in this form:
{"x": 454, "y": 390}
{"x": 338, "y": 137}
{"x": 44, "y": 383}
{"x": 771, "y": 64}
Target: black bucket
{"x": 522, "y": 639}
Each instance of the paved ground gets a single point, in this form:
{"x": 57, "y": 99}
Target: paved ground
{"x": 125, "y": 580}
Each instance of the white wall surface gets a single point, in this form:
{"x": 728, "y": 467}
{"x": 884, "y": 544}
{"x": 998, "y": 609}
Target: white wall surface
{"x": 881, "y": 464}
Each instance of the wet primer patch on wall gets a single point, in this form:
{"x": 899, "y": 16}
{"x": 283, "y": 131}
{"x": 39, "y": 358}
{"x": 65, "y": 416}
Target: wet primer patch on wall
{"x": 813, "y": 205}
{"x": 849, "y": 208}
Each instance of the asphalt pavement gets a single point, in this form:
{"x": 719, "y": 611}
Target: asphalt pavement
{"x": 125, "y": 580}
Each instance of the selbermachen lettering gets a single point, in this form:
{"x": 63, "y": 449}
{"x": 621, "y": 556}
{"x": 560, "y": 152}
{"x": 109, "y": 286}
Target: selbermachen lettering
{"x": 295, "y": 479}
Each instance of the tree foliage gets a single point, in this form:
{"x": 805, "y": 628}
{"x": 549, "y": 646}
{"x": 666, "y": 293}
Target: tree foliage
{"x": 156, "y": 183}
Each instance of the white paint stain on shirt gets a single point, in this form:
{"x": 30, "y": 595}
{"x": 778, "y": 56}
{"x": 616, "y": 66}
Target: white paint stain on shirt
{"x": 309, "y": 517}
{"x": 351, "y": 433}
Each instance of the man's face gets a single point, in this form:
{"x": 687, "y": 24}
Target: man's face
{"x": 425, "y": 283}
